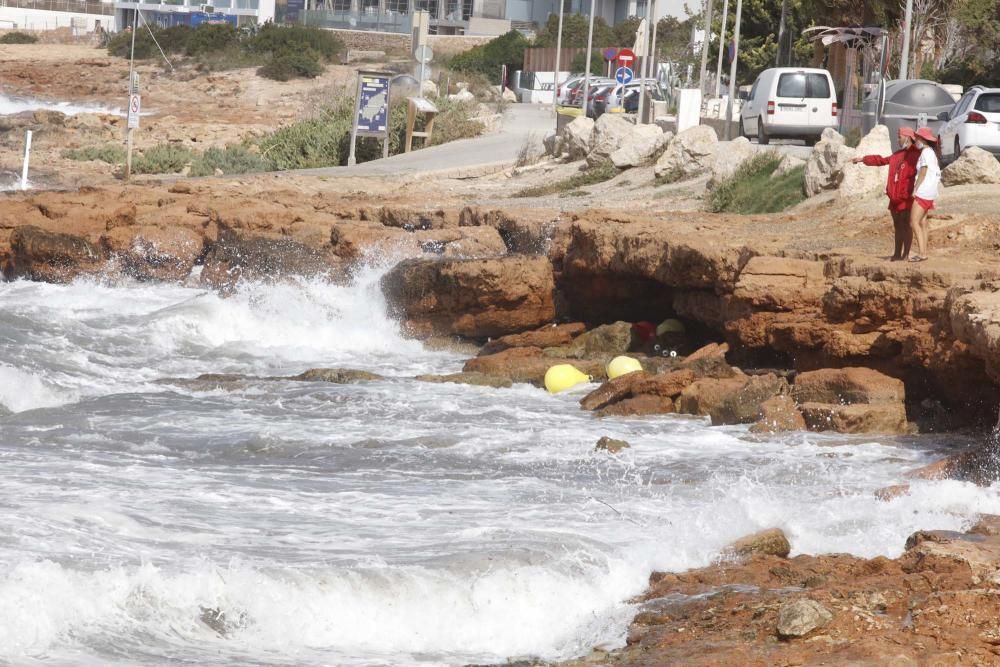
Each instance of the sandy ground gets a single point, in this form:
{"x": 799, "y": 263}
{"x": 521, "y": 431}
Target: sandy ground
{"x": 184, "y": 106}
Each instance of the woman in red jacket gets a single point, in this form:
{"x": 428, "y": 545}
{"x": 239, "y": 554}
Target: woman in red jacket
{"x": 899, "y": 188}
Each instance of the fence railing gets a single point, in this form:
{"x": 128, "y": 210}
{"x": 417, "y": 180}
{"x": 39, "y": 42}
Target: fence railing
{"x": 332, "y": 18}
{"x": 76, "y": 6}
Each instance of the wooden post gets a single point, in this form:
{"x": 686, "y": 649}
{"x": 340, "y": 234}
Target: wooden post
{"x": 411, "y": 119}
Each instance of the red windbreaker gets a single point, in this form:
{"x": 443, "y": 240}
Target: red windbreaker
{"x": 902, "y": 172}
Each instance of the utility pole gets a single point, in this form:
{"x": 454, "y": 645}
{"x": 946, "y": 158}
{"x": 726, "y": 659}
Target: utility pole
{"x": 704, "y": 45}
{"x": 131, "y": 91}
{"x": 555, "y": 86}
{"x": 781, "y": 32}
{"x": 904, "y": 59}
{"x": 722, "y": 47}
{"x": 732, "y": 71}
{"x": 586, "y": 69}
{"x": 640, "y": 112}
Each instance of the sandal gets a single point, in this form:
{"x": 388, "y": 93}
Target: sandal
{"x": 918, "y": 258}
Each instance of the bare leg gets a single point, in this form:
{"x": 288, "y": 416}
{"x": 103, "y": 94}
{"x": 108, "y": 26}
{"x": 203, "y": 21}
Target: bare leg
{"x": 925, "y": 226}
{"x": 905, "y": 234}
{"x": 899, "y": 223}
{"x": 917, "y": 214}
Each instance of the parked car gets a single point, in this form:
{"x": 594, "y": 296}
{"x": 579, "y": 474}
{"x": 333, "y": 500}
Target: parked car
{"x": 615, "y": 99}
{"x": 564, "y": 89}
{"x": 788, "y": 102}
{"x": 911, "y": 103}
{"x": 576, "y": 96}
{"x": 598, "y": 95}
{"x": 630, "y": 102}
{"x": 974, "y": 121}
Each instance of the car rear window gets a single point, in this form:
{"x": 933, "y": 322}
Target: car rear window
{"x": 923, "y": 95}
{"x": 989, "y": 103}
{"x": 801, "y": 84}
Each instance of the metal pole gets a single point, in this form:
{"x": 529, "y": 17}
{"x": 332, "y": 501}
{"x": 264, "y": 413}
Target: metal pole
{"x": 131, "y": 84}
{"x": 781, "y": 32}
{"x": 555, "y": 99}
{"x": 704, "y": 45}
{"x": 732, "y": 70}
{"x": 722, "y": 46}
{"x": 641, "y": 111}
{"x": 904, "y": 58}
{"x": 586, "y": 69}
{"x": 883, "y": 64}
{"x": 351, "y": 157}
{"x": 27, "y": 154}
{"x": 655, "y": 68}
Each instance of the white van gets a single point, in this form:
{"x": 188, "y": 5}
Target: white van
{"x": 790, "y": 102}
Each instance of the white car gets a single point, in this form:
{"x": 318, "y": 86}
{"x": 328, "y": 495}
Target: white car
{"x": 790, "y": 102}
{"x": 975, "y": 121}
{"x": 616, "y": 98}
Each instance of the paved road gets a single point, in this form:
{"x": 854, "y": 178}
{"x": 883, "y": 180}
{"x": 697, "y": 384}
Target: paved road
{"x": 490, "y": 152}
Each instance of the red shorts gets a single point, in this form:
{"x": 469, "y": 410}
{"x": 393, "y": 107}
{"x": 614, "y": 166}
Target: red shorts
{"x": 899, "y": 205}
{"x": 926, "y": 204}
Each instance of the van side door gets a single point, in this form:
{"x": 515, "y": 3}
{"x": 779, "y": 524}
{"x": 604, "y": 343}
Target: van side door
{"x": 751, "y": 109}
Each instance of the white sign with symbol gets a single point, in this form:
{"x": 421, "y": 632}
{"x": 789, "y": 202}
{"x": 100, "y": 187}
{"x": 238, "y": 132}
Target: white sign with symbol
{"x": 134, "y": 104}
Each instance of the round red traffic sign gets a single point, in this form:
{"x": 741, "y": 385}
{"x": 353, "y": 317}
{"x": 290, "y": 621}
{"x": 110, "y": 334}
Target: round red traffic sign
{"x": 626, "y": 57}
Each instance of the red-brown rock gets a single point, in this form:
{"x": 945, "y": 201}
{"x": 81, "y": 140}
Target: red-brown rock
{"x": 154, "y": 253}
{"x": 779, "y": 414}
{"x": 888, "y": 418}
{"x": 552, "y": 335}
{"x": 642, "y": 405}
{"x": 703, "y": 396}
{"x": 526, "y": 364}
{"x": 743, "y": 405}
{"x": 847, "y": 386}
{"x": 476, "y": 298}
{"x": 36, "y": 254}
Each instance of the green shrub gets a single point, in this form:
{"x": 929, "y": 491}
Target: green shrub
{"x": 454, "y": 121}
{"x": 175, "y": 38}
{"x": 233, "y": 159}
{"x": 162, "y": 159}
{"x": 211, "y": 38}
{"x": 279, "y": 40}
{"x": 752, "y": 189}
{"x": 570, "y": 186}
{"x": 310, "y": 143}
{"x": 121, "y": 45}
{"x": 303, "y": 64}
{"x": 110, "y": 153}
{"x": 18, "y": 38}
{"x": 488, "y": 58}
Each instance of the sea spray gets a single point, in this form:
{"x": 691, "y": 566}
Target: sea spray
{"x": 383, "y": 522}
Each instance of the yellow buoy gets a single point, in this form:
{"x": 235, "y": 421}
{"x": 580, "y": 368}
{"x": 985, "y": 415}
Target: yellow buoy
{"x": 670, "y": 326}
{"x": 622, "y": 365}
{"x": 562, "y": 377}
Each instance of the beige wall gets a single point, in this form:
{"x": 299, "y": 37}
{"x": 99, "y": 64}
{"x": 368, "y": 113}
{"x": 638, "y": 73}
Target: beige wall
{"x": 484, "y": 26}
{"x": 443, "y": 45}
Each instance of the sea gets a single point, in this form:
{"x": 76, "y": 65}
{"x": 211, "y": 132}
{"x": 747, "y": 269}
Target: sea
{"x": 147, "y": 520}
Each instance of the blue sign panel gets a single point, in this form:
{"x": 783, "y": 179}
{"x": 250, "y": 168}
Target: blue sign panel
{"x": 623, "y": 75}
{"x": 373, "y": 105}
{"x": 610, "y": 53}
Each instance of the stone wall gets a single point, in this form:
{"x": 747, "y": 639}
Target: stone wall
{"x": 397, "y": 42}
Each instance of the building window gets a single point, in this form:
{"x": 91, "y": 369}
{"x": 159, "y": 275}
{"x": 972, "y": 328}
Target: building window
{"x": 397, "y": 6}
{"x": 466, "y": 10}
{"x": 341, "y": 5}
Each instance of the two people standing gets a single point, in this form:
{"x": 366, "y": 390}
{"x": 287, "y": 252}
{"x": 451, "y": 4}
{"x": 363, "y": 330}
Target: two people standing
{"x": 912, "y": 187}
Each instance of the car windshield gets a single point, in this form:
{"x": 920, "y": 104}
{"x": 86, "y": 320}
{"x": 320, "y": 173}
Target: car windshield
{"x": 802, "y": 84}
{"x": 988, "y": 103}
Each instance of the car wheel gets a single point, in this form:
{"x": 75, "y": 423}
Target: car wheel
{"x": 762, "y": 137}
{"x": 810, "y": 141}
{"x": 958, "y": 149}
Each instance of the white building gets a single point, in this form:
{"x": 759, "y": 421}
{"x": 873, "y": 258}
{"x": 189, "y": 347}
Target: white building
{"x": 82, "y": 16}
{"x": 168, "y": 13}
{"x": 612, "y": 11}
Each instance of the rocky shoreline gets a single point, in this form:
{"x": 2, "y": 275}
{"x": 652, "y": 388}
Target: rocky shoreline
{"x": 776, "y": 333}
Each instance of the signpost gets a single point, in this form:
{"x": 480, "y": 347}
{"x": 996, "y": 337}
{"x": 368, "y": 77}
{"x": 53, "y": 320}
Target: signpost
{"x": 623, "y": 75}
{"x": 626, "y": 58}
{"x": 371, "y": 115}
{"x": 609, "y": 54}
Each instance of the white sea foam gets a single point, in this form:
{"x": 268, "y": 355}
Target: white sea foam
{"x": 21, "y": 390}
{"x": 391, "y": 522}
{"x": 13, "y": 105}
